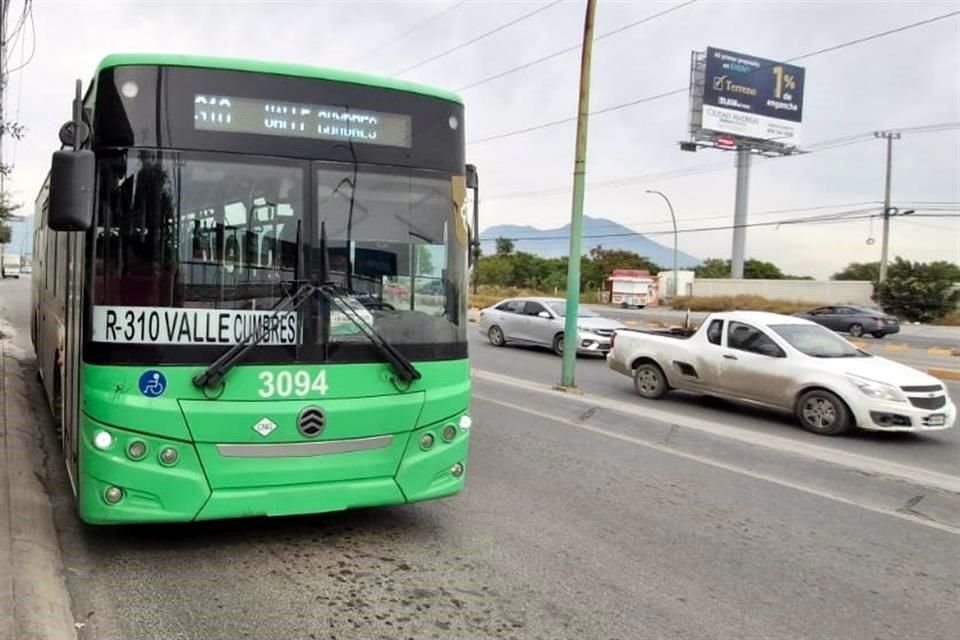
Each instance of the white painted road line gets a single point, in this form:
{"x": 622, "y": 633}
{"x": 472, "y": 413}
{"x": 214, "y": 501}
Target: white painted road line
{"x": 823, "y": 453}
{"x": 723, "y": 465}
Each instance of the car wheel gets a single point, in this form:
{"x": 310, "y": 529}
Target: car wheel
{"x": 855, "y": 330}
{"x": 823, "y": 413}
{"x": 558, "y": 344}
{"x": 649, "y": 381}
{"x": 495, "y": 336}
{"x": 878, "y": 335}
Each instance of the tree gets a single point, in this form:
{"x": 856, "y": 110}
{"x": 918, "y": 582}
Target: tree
{"x": 918, "y": 291}
{"x": 7, "y": 209}
{"x": 753, "y": 269}
{"x": 713, "y": 268}
{"x": 866, "y": 271}
{"x": 424, "y": 261}
{"x": 504, "y": 246}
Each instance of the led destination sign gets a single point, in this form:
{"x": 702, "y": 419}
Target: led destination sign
{"x": 287, "y": 119}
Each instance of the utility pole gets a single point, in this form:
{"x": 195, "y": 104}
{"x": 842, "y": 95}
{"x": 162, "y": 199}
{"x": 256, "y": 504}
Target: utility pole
{"x": 740, "y": 212}
{"x": 674, "y": 218}
{"x": 4, "y": 6}
{"x": 890, "y": 136}
{"x": 570, "y": 333}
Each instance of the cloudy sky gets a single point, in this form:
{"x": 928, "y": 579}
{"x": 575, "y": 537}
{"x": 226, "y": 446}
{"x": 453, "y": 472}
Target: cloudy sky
{"x": 901, "y": 81}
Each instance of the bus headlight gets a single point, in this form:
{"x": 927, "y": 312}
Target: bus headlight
{"x": 169, "y": 456}
{"x": 466, "y": 422}
{"x": 456, "y": 470}
{"x": 449, "y": 432}
{"x": 136, "y": 450}
{"x": 113, "y": 495}
{"x": 103, "y": 440}
{"x": 426, "y": 441}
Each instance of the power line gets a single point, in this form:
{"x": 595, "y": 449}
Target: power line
{"x": 575, "y": 47}
{"x": 411, "y": 30}
{"x": 476, "y": 39}
{"x": 33, "y": 43}
{"x": 711, "y": 167}
{"x": 684, "y": 90}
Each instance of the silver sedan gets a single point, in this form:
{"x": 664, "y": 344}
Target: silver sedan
{"x": 540, "y": 321}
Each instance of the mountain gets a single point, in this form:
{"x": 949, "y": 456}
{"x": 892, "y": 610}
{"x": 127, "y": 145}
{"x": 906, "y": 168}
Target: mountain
{"x": 555, "y": 243}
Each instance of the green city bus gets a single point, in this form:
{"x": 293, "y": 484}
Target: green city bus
{"x": 249, "y": 291}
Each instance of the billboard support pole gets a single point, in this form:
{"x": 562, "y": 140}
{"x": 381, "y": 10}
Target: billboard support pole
{"x": 570, "y": 333}
{"x": 740, "y": 212}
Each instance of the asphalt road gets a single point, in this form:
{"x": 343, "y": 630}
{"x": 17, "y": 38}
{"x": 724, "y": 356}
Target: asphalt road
{"x": 573, "y": 525}
{"x": 937, "y": 451}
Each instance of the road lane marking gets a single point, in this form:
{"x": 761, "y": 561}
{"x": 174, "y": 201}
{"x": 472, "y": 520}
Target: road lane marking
{"x": 932, "y": 524}
{"x": 896, "y": 348}
{"x": 823, "y": 453}
{"x": 944, "y": 374}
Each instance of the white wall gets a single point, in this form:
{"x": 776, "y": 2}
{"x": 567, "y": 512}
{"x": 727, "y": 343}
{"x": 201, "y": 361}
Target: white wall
{"x": 814, "y": 291}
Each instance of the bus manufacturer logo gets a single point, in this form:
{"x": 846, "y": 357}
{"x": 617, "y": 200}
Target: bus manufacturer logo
{"x": 265, "y": 427}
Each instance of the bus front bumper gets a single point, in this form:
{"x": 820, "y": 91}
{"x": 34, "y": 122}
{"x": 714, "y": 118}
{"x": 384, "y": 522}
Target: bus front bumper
{"x": 169, "y": 481}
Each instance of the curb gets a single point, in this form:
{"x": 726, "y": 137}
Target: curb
{"x": 945, "y": 374}
{"x": 34, "y": 601}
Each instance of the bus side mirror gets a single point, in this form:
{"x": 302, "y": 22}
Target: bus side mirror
{"x": 71, "y": 190}
{"x": 473, "y": 182}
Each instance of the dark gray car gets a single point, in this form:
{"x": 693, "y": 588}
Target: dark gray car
{"x": 854, "y": 320}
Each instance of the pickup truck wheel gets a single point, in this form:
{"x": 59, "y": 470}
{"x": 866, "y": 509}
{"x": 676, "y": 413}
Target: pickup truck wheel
{"x": 855, "y": 330}
{"x": 649, "y": 381}
{"x": 823, "y": 413}
{"x": 495, "y": 336}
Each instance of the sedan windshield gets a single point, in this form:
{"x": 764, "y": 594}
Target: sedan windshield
{"x": 559, "y": 307}
{"x": 815, "y": 341}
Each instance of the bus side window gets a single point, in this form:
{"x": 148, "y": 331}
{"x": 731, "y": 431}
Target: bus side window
{"x": 268, "y": 251}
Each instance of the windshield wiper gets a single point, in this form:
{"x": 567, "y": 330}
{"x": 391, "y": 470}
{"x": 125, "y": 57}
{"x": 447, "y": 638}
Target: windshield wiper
{"x": 217, "y": 371}
{"x": 402, "y": 366}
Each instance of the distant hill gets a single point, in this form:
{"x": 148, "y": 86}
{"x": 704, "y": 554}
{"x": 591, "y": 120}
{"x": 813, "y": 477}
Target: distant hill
{"x": 555, "y": 243}
{"x": 21, "y": 236}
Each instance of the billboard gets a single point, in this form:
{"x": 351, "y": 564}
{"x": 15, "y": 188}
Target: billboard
{"x": 748, "y": 97}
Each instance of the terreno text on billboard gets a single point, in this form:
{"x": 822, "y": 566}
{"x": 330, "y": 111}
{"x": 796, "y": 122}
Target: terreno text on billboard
{"x": 751, "y": 97}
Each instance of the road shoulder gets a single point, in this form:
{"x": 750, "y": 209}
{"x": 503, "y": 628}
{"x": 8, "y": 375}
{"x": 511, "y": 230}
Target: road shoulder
{"x": 34, "y": 602}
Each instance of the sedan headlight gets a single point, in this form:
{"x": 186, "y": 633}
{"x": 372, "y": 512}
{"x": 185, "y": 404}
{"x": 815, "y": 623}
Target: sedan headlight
{"x": 877, "y": 390}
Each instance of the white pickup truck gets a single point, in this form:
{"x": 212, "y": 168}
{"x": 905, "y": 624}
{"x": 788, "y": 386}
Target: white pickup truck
{"x": 786, "y": 363}
{"x": 10, "y": 265}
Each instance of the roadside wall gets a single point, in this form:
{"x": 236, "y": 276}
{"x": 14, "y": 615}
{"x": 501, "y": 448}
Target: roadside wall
{"x": 814, "y": 291}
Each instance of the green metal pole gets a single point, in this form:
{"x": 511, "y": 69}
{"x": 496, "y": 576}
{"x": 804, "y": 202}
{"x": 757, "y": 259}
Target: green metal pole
{"x": 570, "y": 333}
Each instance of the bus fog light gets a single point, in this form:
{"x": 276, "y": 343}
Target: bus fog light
{"x": 169, "y": 456}
{"x": 136, "y": 450}
{"x": 426, "y": 441}
{"x": 449, "y": 432}
{"x": 113, "y": 495}
{"x": 102, "y": 440}
{"x": 466, "y": 422}
{"x": 456, "y": 470}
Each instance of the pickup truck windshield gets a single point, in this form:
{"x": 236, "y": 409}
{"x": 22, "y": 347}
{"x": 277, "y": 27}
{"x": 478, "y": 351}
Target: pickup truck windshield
{"x": 817, "y": 342}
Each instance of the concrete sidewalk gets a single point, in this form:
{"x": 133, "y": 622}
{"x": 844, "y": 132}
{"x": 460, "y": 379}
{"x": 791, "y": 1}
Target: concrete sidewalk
{"x": 34, "y": 602}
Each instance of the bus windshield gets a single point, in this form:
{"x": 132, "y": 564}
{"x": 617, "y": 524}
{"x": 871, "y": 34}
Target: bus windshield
{"x": 230, "y": 233}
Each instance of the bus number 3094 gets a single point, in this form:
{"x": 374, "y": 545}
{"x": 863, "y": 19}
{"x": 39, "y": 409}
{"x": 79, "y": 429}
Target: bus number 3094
{"x": 287, "y": 383}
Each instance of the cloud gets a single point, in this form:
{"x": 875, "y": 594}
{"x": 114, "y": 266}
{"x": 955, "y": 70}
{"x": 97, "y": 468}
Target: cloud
{"x": 903, "y": 80}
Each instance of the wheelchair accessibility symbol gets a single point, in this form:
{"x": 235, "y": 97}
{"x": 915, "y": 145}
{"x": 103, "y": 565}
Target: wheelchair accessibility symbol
{"x": 153, "y": 384}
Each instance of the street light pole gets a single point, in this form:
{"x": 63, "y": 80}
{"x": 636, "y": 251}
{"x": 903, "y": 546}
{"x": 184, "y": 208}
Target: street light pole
{"x": 674, "y": 218}
{"x": 570, "y": 332}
